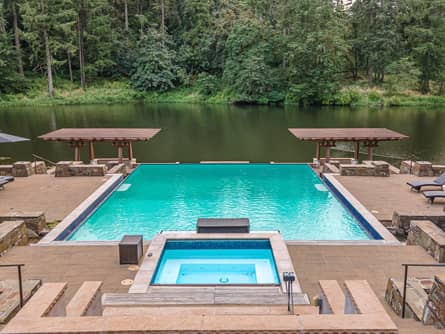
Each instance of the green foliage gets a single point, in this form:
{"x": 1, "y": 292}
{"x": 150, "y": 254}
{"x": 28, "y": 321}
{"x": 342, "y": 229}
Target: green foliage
{"x": 207, "y": 84}
{"x": 403, "y": 75}
{"x": 154, "y": 67}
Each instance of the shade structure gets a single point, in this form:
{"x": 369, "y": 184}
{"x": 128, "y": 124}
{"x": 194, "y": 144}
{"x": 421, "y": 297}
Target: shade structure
{"x": 328, "y": 137}
{"x": 119, "y": 137}
{"x": 6, "y": 138}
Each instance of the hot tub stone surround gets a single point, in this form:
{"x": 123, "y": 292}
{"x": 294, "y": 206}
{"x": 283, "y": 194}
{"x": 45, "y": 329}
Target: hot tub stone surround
{"x": 147, "y": 269}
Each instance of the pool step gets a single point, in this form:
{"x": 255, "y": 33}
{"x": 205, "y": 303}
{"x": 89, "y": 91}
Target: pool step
{"x": 204, "y": 296}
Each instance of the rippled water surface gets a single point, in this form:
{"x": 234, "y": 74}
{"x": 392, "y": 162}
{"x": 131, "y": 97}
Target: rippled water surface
{"x": 289, "y": 198}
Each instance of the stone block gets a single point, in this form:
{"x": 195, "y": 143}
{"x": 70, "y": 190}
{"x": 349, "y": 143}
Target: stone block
{"x": 22, "y": 169}
{"x": 39, "y": 167}
{"x": 87, "y": 170}
{"x": 402, "y": 220}
{"x": 438, "y": 169}
{"x": 427, "y": 235}
{"x": 5, "y": 170}
{"x": 118, "y": 169}
{"x": 35, "y": 221}
{"x": 381, "y": 168}
{"x": 406, "y": 167}
{"x": 330, "y": 168}
{"x": 422, "y": 168}
{"x": 12, "y": 233}
{"x": 434, "y": 313}
{"x": 357, "y": 170}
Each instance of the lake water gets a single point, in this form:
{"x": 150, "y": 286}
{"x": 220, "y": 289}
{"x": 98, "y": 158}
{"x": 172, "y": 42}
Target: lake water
{"x": 192, "y": 133}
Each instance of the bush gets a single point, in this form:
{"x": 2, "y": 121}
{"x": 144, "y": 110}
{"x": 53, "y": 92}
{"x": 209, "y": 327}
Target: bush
{"x": 207, "y": 84}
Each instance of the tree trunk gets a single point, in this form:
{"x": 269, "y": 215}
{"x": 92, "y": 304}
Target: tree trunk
{"x": 48, "y": 64}
{"x": 80, "y": 32}
{"x": 162, "y": 16}
{"x": 126, "y": 16}
{"x": 70, "y": 68}
{"x": 17, "y": 39}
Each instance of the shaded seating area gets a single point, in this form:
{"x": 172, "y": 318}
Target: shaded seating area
{"x": 418, "y": 185}
{"x": 328, "y": 138}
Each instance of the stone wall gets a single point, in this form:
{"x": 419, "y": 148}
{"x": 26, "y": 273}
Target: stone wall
{"x": 12, "y": 233}
{"x": 367, "y": 168}
{"x": 421, "y": 168}
{"x": 426, "y": 234}
{"x": 35, "y": 221}
{"x": 434, "y": 313}
{"x": 23, "y": 169}
{"x": 118, "y": 169}
{"x": 402, "y": 221}
{"x": 78, "y": 168}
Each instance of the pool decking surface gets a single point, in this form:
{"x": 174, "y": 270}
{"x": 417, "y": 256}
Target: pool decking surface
{"x": 55, "y": 196}
{"x": 312, "y": 263}
{"x": 384, "y": 195}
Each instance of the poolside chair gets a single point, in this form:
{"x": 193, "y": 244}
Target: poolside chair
{"x": 417, "y": 185}
{"x": 5, "y": 180}
{"x": 432, "y": 195}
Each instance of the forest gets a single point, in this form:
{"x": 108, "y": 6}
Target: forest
{"x": 253, "y": 51}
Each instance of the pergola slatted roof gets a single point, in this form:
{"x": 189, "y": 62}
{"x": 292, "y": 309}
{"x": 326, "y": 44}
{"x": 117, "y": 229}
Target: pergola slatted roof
{"x": 327, "y": 137}
{"x": 347, "y": 134}
{"x": 101, "y": 134}
{"x": 120, "y": 137}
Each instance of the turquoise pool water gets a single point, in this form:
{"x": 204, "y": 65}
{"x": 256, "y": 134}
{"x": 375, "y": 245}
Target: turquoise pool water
{"x": 216, "y": 262}
{"x": 289, "y": 197}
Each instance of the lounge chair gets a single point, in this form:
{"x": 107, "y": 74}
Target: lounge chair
{"x": 417, "y": 185}
{"x": 5, "y": 180}
{"x": 432, "y": 195}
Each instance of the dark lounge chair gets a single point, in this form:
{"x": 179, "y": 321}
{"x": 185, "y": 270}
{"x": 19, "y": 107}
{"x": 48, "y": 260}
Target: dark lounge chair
{"x": 432, "y": 195}
{"x": 417, "y": 185}
{"x": 5, "y": 180}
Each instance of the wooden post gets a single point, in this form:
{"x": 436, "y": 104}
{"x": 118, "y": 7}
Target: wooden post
{"x": 76, "y": 152}
{"x": 317, "y": 152}
{"x": 91, "y": 150}
{"x": 370, "y": 153}
{"x": 119, "y": 152}
{"x": 130, "y": 151}
{"x": 357, "y": 150}
{"x": 328, "y": 153}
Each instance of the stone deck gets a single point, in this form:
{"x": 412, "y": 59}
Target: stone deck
{"x": 312, "y": 263}
{"x": 56, "y": 197}
{"x": 383, "y": 196}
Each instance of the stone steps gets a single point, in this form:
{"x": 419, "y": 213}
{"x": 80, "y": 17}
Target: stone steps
{"x": 9, "y": 296}
{"x": 12, "y": 233}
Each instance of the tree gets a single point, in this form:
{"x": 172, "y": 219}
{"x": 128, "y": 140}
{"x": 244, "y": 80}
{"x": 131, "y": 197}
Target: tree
{"x": 18, "y": 48}
{"x": 425, "y": 29}
{"x": 316, "y": 51}
{"x": 154, "y": 67}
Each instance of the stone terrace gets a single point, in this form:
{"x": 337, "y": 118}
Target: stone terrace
{"x": 312, "y": 263}
{"x": 55, "y": 196}
{"x": 382, "y": 196}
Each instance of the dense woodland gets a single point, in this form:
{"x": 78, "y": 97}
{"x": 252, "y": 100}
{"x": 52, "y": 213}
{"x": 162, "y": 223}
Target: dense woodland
{"x": 263, "y": 51}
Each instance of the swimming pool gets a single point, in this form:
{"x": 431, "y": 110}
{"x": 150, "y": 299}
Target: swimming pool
{"x": 225, "y": 262}
{"x": 290, "y": 198}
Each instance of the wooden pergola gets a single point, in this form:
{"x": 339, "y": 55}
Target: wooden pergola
{"x": 119, "y": 137}
{"x": 328, "y": 137}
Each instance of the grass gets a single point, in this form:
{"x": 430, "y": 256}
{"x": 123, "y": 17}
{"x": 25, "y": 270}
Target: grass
{"x": 118, "y": 92}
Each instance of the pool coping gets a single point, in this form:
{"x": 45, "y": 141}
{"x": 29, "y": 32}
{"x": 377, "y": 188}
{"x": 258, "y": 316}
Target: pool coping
{"x": 147, "y": 269}
{"x": 369, "y": 222}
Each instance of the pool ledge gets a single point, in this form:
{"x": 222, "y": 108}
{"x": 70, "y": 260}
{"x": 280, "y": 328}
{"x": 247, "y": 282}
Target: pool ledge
{"x": 351, "y": 202}
{"x": 147, "y": 269}
{"x": 70, "y": 222}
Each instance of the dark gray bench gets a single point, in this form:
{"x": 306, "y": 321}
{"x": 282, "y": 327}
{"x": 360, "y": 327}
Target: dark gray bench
{"x": 130, "y": 249}
{"x": 223, "y": 225}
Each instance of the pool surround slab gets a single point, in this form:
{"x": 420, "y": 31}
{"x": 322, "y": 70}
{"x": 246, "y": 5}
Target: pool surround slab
{"x": 147, "y": 269}
{"x": 58, "y": 235}
{"x": 81, "y": 212}
{"x": 375, "y": 224}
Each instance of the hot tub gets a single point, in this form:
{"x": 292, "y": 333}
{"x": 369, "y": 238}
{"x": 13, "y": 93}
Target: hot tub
{"x": 216, "y": 262}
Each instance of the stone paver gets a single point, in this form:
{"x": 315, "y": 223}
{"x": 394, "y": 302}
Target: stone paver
{"x": 372, "y": 263}
{"x": 56, "y": 197}
{"x": 383, "y": 196}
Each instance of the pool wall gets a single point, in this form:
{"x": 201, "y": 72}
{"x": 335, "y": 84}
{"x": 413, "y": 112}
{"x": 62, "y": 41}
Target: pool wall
{"x": 147, "y": 269}
{"x": 371, "y": 225}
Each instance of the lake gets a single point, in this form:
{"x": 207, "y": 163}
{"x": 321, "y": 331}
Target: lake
{"x": 192, "y": 132}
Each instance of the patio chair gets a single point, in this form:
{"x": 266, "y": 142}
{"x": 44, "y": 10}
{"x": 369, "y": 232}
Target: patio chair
{"x": 5, "y": 180}
{"x": 417, "y": 185}
{"x": 432, "y": 195}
